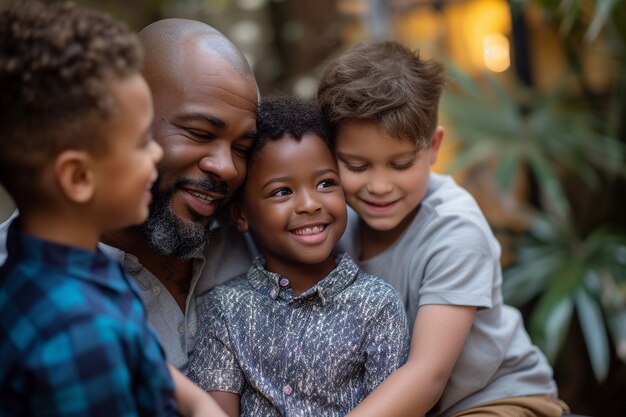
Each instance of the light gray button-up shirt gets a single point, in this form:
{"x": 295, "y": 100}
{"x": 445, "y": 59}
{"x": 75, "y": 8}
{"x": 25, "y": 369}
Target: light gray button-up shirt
{"x": 316, "y": 354}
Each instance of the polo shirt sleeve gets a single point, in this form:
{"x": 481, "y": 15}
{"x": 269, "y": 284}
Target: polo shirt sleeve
{"x": 386, "y": 340}
{"x": 213, "y": 364}
{"x": 462, "y": 265}
{"x": 84, "y": 371}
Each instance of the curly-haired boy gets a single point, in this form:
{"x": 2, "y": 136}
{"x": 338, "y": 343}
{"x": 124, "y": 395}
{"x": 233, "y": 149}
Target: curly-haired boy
{"x": 78, "y": 159}
{"x": 304, "y": 332}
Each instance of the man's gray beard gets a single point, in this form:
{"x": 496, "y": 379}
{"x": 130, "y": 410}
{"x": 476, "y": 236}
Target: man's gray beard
{"x": 167, "y": 234}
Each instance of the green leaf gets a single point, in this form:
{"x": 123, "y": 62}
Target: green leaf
{"x": 526, "y": 279}
{"x": 551, "y": 190}
{"x": 617, "y": 325}
{"x": 472, "y": 155}
{"x": 601, "y": 16}
{"x": 572, "y": 9}
{"x": 592, "y": 326}
{"x": 505, "y": 172}
{"x": 549, "y": 324}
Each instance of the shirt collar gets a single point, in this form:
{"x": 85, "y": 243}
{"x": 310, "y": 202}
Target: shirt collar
{"x": 276, "y": 286}
{"x": 92, "y": 266}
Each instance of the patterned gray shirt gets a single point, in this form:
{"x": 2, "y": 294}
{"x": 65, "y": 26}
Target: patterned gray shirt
{"x": 317, "y": 354}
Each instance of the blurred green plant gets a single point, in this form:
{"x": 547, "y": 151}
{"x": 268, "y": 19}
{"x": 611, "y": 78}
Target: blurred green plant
{"x": 566, "y": 138}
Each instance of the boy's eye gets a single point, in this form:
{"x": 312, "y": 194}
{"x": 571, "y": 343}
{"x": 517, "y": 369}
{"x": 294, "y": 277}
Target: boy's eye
{"x": 355, "y": 167}
{"x": 402, "y": 165}
{"x": 326, "y": 184}
{"x": 280, "y": 192}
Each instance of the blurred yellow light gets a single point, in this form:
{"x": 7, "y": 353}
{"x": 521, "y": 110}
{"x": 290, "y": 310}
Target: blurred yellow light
{"x": 496, "y": 52}
{"x": 468, "y": 23}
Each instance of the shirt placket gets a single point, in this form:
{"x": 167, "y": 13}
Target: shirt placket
{"x": 294, "y": 371}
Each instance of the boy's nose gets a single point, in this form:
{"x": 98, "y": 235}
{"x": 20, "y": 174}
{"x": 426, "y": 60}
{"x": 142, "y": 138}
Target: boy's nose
{"x": 307, "y": 203}
{"x": 379, "y": 185}
{"x": 156, "y": 151}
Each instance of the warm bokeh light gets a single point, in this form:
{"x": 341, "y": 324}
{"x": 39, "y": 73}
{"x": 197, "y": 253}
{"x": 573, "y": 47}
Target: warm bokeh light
{"x": 496, "y": 53}
{"x": 469, "y": 24}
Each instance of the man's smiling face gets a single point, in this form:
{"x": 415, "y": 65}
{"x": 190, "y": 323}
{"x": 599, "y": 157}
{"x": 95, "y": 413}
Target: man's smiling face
{"x": 205, "y": 120}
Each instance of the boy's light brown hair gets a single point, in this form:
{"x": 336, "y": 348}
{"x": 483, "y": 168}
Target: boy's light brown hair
{"x": 57, "y": 62}
{"x": 385, "y": 83}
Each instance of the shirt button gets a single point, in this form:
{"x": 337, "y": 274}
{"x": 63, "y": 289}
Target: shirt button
{"x": 287, "y": 390}
{"x": 284, "y": 282}
{"x": 156, "y": 290}
{"x": 181, "y": 329}
{"x": 274, "y": 293}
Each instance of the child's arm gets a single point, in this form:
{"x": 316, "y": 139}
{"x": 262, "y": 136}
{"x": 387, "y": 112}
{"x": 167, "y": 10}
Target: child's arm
{"x": 192, "y": 400}
{"x": 229, "y": 402}
{"x": 438, "y": 337}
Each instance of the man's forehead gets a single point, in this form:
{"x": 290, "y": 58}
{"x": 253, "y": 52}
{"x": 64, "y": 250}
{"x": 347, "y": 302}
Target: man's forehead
{"x": 171, "y": 45}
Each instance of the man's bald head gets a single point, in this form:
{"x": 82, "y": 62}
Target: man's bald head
{"x": 205, "y": 106}
{"x": 165, "y": 40}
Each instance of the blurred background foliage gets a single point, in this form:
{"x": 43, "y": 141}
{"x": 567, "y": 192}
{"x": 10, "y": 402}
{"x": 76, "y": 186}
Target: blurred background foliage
{"x": 535, "y": 117}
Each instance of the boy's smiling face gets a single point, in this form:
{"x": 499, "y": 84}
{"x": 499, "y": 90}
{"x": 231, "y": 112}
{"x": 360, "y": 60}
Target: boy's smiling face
{"x": 293, "y": 203}
{"x": 384, "y": 178}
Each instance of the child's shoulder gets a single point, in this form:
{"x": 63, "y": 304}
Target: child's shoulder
{"x": 237, "y": 287}
{"x": 368, "y": 286}
{"x": 446, "y": 197}
{"x": 371, "y": 283}
{"x": 449, "y": 213}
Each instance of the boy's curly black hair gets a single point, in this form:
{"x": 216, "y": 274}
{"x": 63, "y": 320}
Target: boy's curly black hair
{"x": 56, "y": 65}
{"x": 286, "y": 115}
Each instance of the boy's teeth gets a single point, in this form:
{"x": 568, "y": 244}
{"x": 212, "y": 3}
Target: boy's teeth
{"x": 202, "y": 197}
{"x": 309, "y": 230}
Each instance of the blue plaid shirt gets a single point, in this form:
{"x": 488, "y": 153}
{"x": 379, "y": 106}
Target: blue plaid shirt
{"x": 316, "y": 354}
{"x": 73, "y": 336}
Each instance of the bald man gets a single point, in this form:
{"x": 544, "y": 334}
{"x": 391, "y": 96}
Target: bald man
{"x": 205, "y": 104}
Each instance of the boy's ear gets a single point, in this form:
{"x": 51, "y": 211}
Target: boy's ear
{"x": 237, "y": 216}
{"x": 74, "y": 176}
{"x": 435, "y": 144}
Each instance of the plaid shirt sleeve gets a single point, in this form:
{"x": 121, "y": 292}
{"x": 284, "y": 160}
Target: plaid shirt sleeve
{"x": 84, "y": 372}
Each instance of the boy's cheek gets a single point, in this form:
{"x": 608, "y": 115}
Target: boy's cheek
{"x": 349, "y": 183}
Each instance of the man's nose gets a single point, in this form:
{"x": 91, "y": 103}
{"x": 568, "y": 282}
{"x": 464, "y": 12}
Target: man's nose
{"x": 218, "y": 161}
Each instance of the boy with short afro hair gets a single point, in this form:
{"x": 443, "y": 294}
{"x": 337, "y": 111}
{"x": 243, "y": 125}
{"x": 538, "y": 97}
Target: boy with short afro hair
{"x": 425, "y": 235}
{"x": 77, "y": 157}
{"x": 304, "y": 332}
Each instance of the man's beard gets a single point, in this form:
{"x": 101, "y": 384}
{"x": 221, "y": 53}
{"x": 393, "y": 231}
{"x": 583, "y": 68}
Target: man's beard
{"x": 169, "y": 235}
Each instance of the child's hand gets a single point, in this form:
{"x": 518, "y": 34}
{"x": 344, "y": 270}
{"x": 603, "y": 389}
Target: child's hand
{"x": 192, "y": 400}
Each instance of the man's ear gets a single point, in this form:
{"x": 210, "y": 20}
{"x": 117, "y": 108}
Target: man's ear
{"x": 237, "y": 216}
{"x": 435, "y": 143}
{"x": 74, "y": 175}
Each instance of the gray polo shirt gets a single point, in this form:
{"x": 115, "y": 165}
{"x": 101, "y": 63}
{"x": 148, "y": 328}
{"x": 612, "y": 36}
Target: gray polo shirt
{"x": 449, "y": 255}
